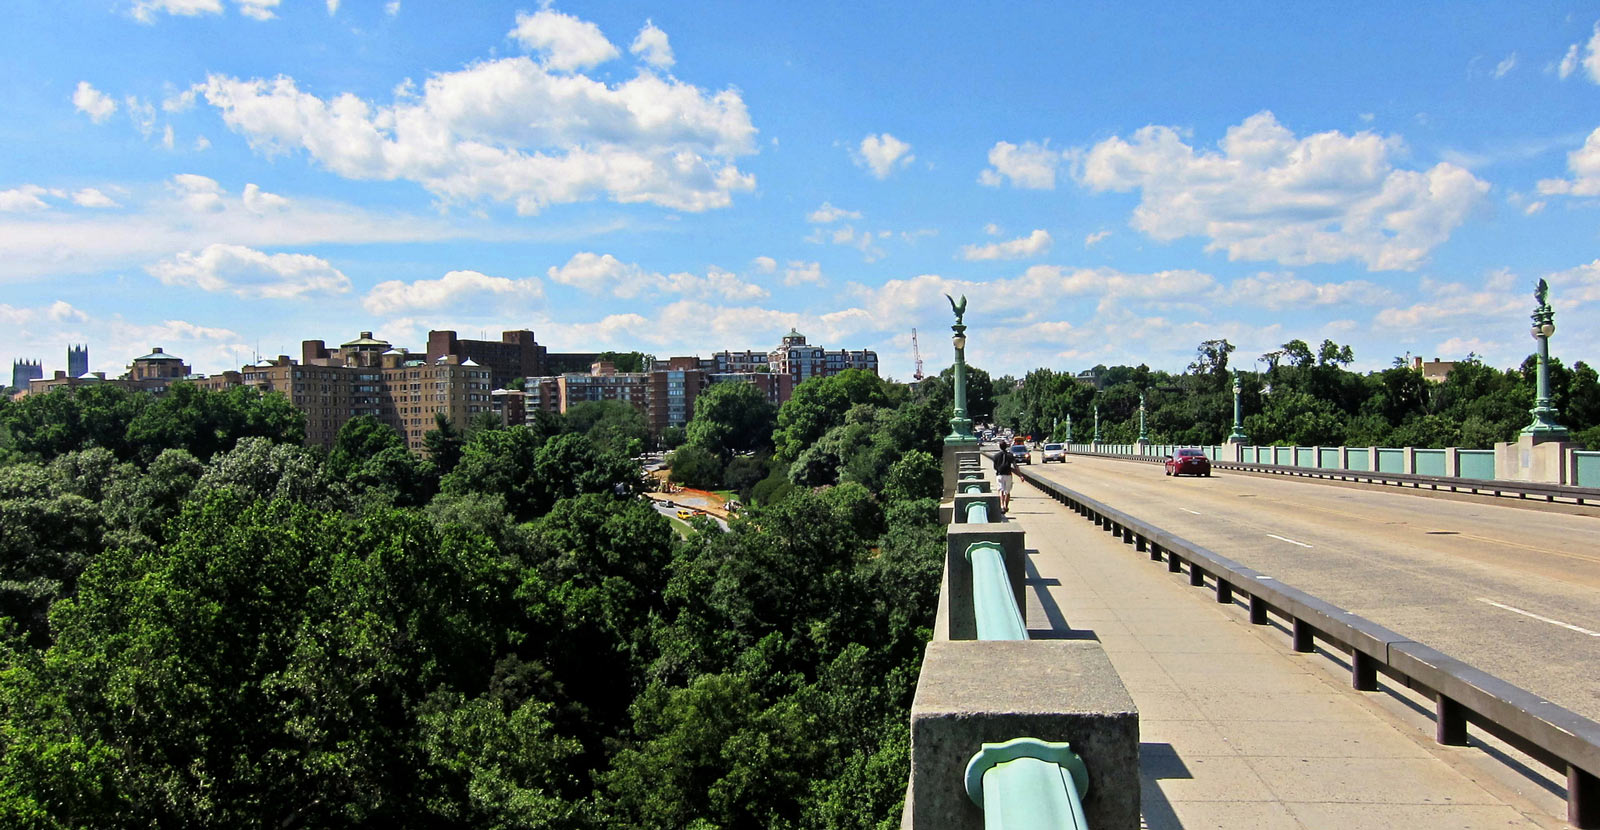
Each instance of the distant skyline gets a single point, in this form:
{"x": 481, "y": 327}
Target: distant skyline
{"x": 1106, "y": 185}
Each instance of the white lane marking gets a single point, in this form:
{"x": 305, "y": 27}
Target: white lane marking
{"x": 1290, "y": 541}
{"x": 1187, "y": 510}
{"x": 1513, "y": 610}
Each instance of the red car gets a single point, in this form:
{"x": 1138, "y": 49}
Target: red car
{"x": 1188, "y": 462}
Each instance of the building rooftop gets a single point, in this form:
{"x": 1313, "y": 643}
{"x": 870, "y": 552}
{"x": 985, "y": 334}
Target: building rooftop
{"x": 157, "y": 354}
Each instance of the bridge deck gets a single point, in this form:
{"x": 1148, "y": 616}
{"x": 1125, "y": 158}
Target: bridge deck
{"x": 1236, "y": 729}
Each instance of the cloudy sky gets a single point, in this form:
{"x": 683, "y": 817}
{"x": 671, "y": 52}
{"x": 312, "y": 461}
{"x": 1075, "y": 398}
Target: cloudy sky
{"x": 229, "y": 177}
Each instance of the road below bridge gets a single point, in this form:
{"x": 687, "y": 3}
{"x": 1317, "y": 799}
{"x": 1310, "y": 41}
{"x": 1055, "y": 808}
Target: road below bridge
{"x": 1512, "y": 591}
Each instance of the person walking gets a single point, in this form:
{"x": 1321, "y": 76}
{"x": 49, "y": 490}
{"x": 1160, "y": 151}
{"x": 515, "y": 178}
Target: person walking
{"x": 1003, "y": 466}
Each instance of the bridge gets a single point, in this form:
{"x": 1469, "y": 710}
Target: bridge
{"x": 1238, "y": 728}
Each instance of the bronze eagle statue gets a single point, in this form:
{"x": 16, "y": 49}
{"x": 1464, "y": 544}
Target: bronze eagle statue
{"x": 959, "y": 308}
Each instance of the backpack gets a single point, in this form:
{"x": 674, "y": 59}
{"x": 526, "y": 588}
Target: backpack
{"x": 1004, "y": 462}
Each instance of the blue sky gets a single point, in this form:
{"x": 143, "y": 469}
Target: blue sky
{"x": 1107, "y": 185}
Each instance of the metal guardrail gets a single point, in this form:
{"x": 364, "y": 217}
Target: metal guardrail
{"x": 1557, "y": 493}
{"x": 1557, "y": 737}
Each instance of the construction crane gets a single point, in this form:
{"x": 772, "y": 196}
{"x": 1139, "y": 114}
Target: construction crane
{"x": 916, "y": 354}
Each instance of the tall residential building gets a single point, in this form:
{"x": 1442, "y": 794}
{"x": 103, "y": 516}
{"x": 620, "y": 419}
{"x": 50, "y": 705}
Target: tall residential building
{"x": 369, "y": 376}
{"x": 515, "y": 355}
{"x": 797, "y": 359}
{"x": 77, "y": 361}
{"x": 665, "y": 394}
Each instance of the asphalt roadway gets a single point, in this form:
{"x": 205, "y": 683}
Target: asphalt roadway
{"x": 1512, "y": 591}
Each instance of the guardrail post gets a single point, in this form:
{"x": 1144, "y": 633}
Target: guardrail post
{"x": 1583, "y": 798}
{"x": 1197, "y": 577}
{"x": 1224, "y": 591}
{"x": 1258, "y": 610}
{"x": 1363, "y": 671}
{"x": 1304, "y": 637}
{"x": 1450, "y": 721}
{"x": 1174, "y": 564}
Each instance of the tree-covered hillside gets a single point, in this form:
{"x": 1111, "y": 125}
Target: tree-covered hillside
{"x": 206, "y": 624}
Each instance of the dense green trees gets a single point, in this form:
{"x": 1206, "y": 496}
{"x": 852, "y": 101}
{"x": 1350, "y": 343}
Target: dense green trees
{"x": 205, "y": 624}
{"x": 1306, "y": 396}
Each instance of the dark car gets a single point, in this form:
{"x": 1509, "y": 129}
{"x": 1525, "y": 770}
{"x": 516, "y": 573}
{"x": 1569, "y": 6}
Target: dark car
{"x": 1020, "y": 454}
{"x": 1188, "y": 462}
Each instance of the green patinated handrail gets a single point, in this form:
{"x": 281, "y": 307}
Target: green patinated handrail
{"x": 994, "y": 607}
{"x": 977, "y": 513}
{"x": 1028, "y": 783}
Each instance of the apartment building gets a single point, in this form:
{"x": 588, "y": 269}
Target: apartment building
{"x": 796, "y": 358}
{"x": 369, "y": 376}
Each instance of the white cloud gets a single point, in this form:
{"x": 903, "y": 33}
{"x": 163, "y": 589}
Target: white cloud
{"x": 455, "y": 288}
{"x": 604, "y": 273}
{"x": 257, "y": 200}
{"x": 1029, "y": 165}
{"x": 567, "y": 43}
{"x": 1533, "y": 208}
{"x": 1031, "y": 245}
{"x": 1584, "y": 163}
{"x": 882, "y": 153}
{"x": 1327, "y": 197}
{"x": 333, "y": 7}
{"x": 848, "y": 236}
{"x": 247, "y": 272}
{"x": 1276, "y": 292}
{"x": 509, "y": 130}
{"x": 192, "y": 212}
{"x": 180, "y": 102}
{"x": 764, "y": 264}
{"x": 28, "y": 197}
{"x": 145, "y": 11}
{"x": 1591, "y": 55}
{"x": 1095, "y": 238}
{"x": 991, "y": 229}
{"x": 828, "y": 214}
{"x": 168, "y": 139}
{"x": 93, "y": 103}
{"x": 201, "y": 143}
{"x": 651, "y": 46}
{"x": 143, "y": 114}
{"x": 14, "y": 318}
{"x": 91, "y": 198}
{"x": 1569, "y": 63}
{"x": 800, "y": 272}
{"x": 392, "y": 8}
{"x": 1504, "y": 67}
{"x": 258, "y": 9}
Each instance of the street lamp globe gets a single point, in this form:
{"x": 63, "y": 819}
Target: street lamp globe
{"x": 960, "y": 340}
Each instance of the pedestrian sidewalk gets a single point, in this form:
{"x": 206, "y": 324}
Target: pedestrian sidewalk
{"x": 1236, "y": 729}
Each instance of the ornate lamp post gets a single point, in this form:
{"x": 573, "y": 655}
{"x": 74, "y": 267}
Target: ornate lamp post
{"x": 1544, "y": 426}
{"x": 1238, "y": 436}
{"x": 1097, "y": 423}
{"x": 1069, "y": 427}
{"x": 960, "y": 424}
{"x": 1144, "y": 437}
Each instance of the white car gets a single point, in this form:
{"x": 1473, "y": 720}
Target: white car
{"x": 1054, "y": 452}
